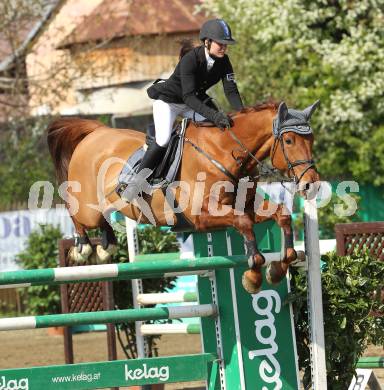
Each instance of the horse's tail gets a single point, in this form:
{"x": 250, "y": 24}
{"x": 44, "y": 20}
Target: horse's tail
{"x": 63, "y": 135}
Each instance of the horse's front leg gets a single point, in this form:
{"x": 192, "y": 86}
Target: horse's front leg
{"x": 276, "y": 270}
{"x": 252, "y": 278}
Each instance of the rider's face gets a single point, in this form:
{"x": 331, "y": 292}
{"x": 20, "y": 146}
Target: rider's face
{"x": 218, "y": 49}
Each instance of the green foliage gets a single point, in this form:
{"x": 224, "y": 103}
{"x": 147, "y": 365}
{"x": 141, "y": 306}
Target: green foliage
{"x": 24, "y": 160}
{"x": 329, "y": 215}
{"x": 41, "y": 252}
{"x": 155, "y": 240}
{"x": 351, "y": 293}
{"x": 300, "y": 51}
{"x": 104, "y": 119}
{"x": 8, "y": 309}
{"x": 151, "y": 240}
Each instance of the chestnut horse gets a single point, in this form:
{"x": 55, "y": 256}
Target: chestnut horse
{"x": 89, "y": 157}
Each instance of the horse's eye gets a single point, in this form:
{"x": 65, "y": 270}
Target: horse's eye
{"x": 288, "y": 141}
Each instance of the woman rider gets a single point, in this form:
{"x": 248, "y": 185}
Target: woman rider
{"x": 184, "y": 93}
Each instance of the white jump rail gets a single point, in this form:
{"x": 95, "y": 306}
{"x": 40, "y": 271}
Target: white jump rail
{"x": 163, "y": 298}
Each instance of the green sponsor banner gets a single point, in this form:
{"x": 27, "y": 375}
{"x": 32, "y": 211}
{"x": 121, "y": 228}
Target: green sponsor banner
{"x": 109, "y": 374}
{"x": 267, "y": 337}
{"x": 266, "y": 322}
{"x": 258, "y": 343}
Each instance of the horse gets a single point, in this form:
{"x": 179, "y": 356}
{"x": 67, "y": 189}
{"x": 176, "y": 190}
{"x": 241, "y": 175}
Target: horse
{"x": 88, "y": 157}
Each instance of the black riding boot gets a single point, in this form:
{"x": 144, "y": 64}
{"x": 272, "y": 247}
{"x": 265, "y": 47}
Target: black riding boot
{"x": 151, "y": 159}
{"x": 152, "y": 156}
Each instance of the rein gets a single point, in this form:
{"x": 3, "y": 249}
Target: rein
{"x": 216, "y": 163}
{"x": 263, "y": 168}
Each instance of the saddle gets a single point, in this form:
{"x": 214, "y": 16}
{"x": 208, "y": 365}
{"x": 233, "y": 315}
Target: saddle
{"x": 167, "y": 170}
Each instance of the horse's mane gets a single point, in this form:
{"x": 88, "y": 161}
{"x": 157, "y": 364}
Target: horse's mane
{"x": 269, "y": 105}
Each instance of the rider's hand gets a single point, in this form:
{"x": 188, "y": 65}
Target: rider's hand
{"x": 223, "y": 121}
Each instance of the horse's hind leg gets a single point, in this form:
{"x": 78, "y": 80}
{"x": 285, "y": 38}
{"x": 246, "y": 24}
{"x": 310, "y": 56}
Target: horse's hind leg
{"x": 82, "y": 249}
{"x": 108, "y": 245}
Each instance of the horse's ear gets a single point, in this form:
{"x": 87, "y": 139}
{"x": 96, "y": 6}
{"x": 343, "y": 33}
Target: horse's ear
{"x": 310, "y": 110}
{"x": 282, "y": 112}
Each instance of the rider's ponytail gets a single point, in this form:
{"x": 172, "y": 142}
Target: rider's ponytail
{"x": 186, "y": 46}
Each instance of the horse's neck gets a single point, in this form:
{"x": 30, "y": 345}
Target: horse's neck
{"x": 255, "y": 131}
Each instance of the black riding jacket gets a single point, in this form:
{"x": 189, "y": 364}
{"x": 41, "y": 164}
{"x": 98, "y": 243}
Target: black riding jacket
{"x": 191, "y": 79}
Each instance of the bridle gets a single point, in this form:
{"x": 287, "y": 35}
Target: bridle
{"x": 278, "y": 134}
{"x": 278, "y": 138}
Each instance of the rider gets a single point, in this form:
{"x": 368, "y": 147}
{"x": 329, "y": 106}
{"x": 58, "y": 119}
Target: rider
{"x": 184, "y": 93}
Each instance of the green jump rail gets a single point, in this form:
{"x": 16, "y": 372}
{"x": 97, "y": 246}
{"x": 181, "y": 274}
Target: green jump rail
{"x": 104, "y": 317}
{"x": 371, "y": 362}
{"x": 111, "y": 272}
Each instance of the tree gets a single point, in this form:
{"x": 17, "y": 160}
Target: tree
{"x": 19, "y": 22}
{"x": 332, "y": 50}
{"x": 41, "y": 252}
{"x": 24, "y": 160}
{"x": 32, "y": 72}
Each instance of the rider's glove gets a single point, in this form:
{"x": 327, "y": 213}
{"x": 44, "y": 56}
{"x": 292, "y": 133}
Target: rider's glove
{"x": 221, "y": 120}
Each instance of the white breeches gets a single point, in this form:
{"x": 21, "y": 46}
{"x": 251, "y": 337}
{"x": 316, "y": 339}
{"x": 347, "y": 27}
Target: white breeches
{"x": 164, "y": 115}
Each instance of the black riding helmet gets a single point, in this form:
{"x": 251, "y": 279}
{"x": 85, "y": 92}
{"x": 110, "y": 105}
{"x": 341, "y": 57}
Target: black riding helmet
{"x": 217, "y": 30}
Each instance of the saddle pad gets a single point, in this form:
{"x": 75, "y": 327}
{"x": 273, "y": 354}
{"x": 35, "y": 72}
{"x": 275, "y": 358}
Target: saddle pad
{"x": 130, "y": 167}
{"x": 173, "y": 168}
{"x": 169, "y": 166}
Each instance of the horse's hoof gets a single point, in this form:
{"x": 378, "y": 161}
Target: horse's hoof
{"x": 104, "y": 255}
{"x": 270, "y": 275}
{"x": 291, "y": 255}
{"x": 249, "y": 284}
{"x": 275, "y": 272}
{"x": 82, "y": 256}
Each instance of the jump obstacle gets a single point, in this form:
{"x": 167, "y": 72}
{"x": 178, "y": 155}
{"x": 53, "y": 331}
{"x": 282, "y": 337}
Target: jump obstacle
{"x": 99, "y": 297}
{"x": 248, "y": 340}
